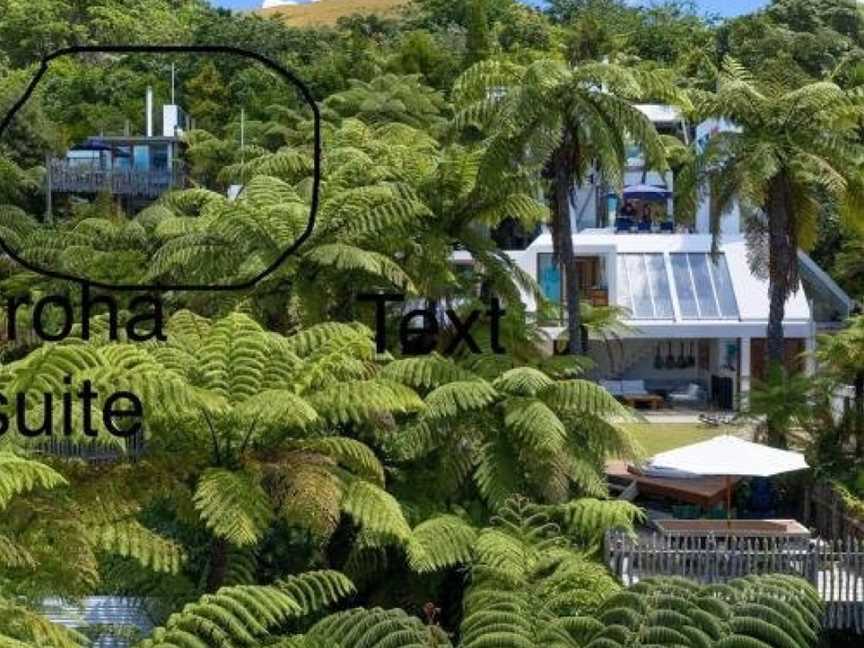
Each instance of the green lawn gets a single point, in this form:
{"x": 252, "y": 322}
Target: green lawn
{"x": 659, "y": 437}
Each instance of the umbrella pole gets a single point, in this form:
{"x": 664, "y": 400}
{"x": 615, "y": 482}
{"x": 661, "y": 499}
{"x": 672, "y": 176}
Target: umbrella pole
{"x": 728, "y": 500}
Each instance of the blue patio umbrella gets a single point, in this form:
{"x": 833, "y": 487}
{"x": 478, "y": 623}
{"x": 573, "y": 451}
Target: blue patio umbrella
{"x": 646, "y": 192}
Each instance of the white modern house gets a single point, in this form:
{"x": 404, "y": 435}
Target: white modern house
{"x": 693, "y": 318}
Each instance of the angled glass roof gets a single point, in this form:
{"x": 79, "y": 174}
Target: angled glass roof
{"x": 702, "y": 285}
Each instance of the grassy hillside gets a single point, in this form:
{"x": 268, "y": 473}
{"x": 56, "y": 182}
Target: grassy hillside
{"x": 327, "y": 12}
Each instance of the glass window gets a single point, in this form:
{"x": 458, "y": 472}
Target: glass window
{"x": 623, "y": 285}
{"x": 684, "y": 286}
{"x": 705, "y": 297}
{"x": 704, "y": 287}
{"x": 643, "y": 287}
{"x": 660, "y": 286}
{"x": 159, "y": 156}
{"x": 141, "y": 156}
{"x": 723, "y": 287}
{"x": 640, "y": 287}
{"x": 123, "y": 157}
{"x": 549, "y": 277}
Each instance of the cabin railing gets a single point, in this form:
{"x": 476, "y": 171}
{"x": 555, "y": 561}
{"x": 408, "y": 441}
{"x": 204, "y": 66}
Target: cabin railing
{"x": 152, "y": 183}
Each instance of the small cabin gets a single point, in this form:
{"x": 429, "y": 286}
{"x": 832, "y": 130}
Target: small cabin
{"x": 137, "y": 168}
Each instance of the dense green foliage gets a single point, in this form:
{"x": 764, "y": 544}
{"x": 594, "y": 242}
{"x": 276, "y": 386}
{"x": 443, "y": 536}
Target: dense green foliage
{"x": 297, "y": 488}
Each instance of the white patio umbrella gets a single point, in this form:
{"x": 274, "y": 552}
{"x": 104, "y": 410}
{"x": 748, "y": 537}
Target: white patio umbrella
{"x": 728, "y": 456}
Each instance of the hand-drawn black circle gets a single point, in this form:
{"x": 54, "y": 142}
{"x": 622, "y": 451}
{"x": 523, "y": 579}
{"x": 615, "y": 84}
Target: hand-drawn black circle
{"x": 179, "y": 49}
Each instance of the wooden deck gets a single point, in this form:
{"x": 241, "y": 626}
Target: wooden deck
{"x": 702, "y": 491}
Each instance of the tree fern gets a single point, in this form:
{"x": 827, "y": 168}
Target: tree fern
{"x": 373, "y": 628}
{"x": 673, "y": 611}
{"x": 528, "y": 433}
{"x": 246, "y": 615}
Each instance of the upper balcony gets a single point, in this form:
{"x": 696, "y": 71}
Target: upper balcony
{"x": 135, "y": 167}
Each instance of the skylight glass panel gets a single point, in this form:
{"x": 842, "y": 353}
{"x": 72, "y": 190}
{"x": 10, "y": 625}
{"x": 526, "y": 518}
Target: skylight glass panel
{"x": 643, "y": 287}
{"x": 640, "y": 292}
{"x": 705, "y": 297}
{"x": 684, "y": 286}
{"x": 704, "y": 287}
{"x": 659, "y": 286}
{"x": 723, "y": 287}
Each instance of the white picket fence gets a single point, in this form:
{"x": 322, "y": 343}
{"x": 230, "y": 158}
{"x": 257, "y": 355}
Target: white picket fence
{"x": 835, "y": 568}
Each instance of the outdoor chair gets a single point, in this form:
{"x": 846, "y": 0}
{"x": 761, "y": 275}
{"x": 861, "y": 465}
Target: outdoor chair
{"x": 667, "y": 227}
{"x": 692, "y": 394}
{"x": 644, "y": 227}
{"x": 623, "y": 224}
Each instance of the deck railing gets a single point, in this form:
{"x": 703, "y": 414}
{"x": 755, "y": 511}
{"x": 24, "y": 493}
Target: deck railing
{"x": 834, "y": 568}
{"x": 132, "y": 448}
{"x": 150, "y": 183}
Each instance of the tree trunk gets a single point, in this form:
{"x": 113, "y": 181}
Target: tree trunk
{"x": 561, "y": 172}
{"x": 782, "y": 264}
{"x": 218, "y": 564}
{"x": 782, "y": 277}
{"x": 858, "y": 420}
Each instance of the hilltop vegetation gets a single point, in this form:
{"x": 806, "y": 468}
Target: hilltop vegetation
{"x": 329, "y": 12}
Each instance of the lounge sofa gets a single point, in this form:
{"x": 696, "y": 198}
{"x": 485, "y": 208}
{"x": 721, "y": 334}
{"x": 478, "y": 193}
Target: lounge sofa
{"x": 624, "y": 387}
{"x": 632, "y": 392}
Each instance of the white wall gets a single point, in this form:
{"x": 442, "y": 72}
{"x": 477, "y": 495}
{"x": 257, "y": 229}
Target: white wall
{"x": 730, "y": 221}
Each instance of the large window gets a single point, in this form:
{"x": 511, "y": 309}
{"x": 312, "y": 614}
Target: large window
{"x": 141, "y": 157}
{"x": 643, "y": 286}
{"x": 549, "y": 277}
{"x": 704, "y": 286}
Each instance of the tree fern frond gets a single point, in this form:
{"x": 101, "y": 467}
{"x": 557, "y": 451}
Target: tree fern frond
{"x": 314, "y": 338}
{"x": 14, "y": 555}
{"x": 589, "y": 519}
{"x": 455, "y": 398}
{"x": 425, "y": 372}
{"x": 376, "y": 628}
{"x": 536, "y": 425}
{"x": 362, "y": 401}
{"x": 19, "y": 475}
{"x": 350, "y": 453}
{"x": 583, "y": 397}
{"x": 440, "y": 542}
{"x": 131, "y": 539}
{"x": 523, "y": 381}
{"x": 376, "y": 510}
{"x": 348, "y": 258}
{"x": 238, "y": 615}
{"x": 317, "y": 589}
{"x": 234, "y": 506}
